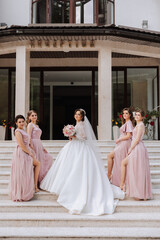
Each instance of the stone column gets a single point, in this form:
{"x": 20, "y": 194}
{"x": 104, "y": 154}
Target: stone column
{"x": 105, "y": 94}
{"x": 22, "y": 80}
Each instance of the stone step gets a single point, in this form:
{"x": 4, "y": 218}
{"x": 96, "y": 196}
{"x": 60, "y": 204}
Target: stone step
{"x": 155, "y": 175}
{"x": 62, "y": 142}
{"x": 42, "y": 206}
{"x": 153, "y": 159}
{"x": 154, "y": 166}
{"x": 4, "y": 184}
{"x": 35, "y": 205}
{"x": 155, "y": 183}
{"x": 8, "y": 159}
{"x": 23, "y": 219}
{"x": 4, "y": 175}
{"x": 5, "y": 166}
{"x": 104, "y": 152}
{"x": 51, "y": 148}
{"x": 130, "y": 205}
{"x": 79, "y": 233}
{"x": 46, "y": 196}
{"x": 42, "y": 195}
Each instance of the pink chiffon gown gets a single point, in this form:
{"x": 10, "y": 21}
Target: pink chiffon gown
{"x": 22, "y": 175}
{"x": 45, "y": 158}
{"x": 138, "y": 184}
{"x": 120, "y": 152}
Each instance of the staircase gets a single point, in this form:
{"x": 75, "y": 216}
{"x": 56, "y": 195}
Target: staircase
{"x": 43, "y": 218}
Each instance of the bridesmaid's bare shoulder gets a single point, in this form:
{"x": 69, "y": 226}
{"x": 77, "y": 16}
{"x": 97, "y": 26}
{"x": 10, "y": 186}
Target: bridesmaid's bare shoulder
{"x": 18, "y": 132}
{"x": 30, "y": 125}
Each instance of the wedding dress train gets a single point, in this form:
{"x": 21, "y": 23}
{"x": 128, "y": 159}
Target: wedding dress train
{"x": 78, "y": 176}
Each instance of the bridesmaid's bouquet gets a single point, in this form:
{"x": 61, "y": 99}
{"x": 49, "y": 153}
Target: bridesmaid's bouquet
{"x": 69, "y": 131}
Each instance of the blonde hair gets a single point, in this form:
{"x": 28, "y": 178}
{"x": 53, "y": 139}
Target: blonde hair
{"x": 28, "y": 115}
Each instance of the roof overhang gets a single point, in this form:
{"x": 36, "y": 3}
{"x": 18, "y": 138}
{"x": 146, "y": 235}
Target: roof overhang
{"x": 79, "y": 32}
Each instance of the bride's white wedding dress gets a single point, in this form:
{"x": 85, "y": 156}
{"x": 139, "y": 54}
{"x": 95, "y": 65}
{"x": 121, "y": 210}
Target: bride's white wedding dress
{"x": 78, "y": 177}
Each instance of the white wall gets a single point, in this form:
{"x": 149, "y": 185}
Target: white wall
{"x": 128, "y": 12}
{"x": 132, "y": 12}
{"x": 15, "y": 12}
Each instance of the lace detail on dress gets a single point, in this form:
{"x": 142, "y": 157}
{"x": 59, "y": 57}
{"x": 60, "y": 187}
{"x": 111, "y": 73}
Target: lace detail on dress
{"x": 80, "y": 132}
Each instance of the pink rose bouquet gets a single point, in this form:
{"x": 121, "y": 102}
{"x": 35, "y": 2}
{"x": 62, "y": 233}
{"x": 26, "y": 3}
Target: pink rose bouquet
{"x": 69, "y": 131}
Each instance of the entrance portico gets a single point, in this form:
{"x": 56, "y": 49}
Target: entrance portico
{"x": 102, "y": 45}
{"x": 104, "y": 84}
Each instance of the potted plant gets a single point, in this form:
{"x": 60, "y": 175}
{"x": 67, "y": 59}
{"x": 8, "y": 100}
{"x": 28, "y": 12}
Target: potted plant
{"x": 116, "y": 124}
{"x": 11, "y": 128}
{"x": 3, "y": 125}
{"x": 149, "y": 122}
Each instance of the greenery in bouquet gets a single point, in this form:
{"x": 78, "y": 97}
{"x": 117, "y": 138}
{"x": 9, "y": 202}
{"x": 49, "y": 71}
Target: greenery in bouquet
{"x": 117, "y": 121}
{"x": 150, "y": 117}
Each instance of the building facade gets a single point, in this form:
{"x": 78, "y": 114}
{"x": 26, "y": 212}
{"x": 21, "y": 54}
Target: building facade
{"x": 67, "y": 57}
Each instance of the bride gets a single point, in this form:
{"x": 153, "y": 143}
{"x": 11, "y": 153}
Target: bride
{"x": 78, "y": 176}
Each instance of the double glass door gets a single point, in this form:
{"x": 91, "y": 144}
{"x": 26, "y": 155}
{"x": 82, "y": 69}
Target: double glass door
{"x": 55, "y": 94}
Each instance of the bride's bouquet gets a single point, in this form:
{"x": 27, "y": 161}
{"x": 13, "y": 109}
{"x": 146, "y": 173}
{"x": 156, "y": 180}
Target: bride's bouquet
{"x": 69, "y": 131}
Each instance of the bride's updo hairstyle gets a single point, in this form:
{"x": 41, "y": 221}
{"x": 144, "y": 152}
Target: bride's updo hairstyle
{"x": 82, "y": 112}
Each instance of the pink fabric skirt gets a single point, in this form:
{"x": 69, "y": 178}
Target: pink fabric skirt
{"x": 22, "y": 176}
{"x": 45, "y": 159}
{"x": 120, "y": 153}
{"x": 138, "y": 178}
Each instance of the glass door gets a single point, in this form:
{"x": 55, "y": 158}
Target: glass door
{"x": 63, "y": 92}
{"x": 118, "y": 92}
{"x": 4, "y": 94}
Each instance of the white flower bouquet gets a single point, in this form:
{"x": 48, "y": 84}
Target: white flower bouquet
{"x": 69, "y": 131}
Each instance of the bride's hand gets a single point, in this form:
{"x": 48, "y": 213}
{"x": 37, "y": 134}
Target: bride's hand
{"x": 71, "y": 137}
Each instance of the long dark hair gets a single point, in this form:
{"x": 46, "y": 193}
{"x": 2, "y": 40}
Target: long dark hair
{"x": 16, "y": 119}
{"x": 131, "y": 115}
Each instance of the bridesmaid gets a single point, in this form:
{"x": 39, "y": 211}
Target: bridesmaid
{"x": 138, "y": 181}
{"x": 23, "y": 178}
{"x": 121, "y": 150}
{"x": 42, "y": 155}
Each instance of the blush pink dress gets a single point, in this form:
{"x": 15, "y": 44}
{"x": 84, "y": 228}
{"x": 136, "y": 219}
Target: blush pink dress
{"x": 45, "y": 158}
{"x": 120, "y": 152}
{"x": 138, "y": 182}
{"x": 22, "y": 175}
